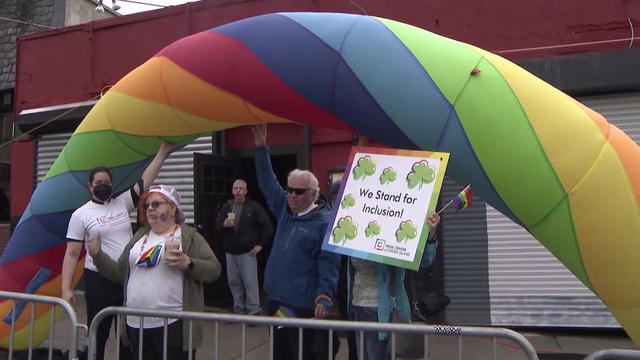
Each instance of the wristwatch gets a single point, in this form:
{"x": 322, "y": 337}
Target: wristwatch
{"x": 191, "y": 264}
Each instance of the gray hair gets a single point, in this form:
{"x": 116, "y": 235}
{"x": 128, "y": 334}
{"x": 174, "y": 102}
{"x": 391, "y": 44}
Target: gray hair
{"x": 240, "y": 181}
{"x": 312, "y": 180}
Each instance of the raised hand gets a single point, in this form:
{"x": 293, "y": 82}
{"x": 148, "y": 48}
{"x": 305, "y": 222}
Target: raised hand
{"x": 166, "y": 147}
{"x": 260, "y": 134}
{"x": 433, "y": 220}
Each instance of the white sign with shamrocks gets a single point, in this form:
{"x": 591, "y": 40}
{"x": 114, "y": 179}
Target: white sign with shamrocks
{"x": 382, "y": 207}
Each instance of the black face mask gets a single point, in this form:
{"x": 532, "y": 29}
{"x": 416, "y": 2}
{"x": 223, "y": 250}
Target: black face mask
{"x": 102, "y": 192}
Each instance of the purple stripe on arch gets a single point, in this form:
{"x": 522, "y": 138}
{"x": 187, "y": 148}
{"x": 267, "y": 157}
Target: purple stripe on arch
{"x": 317, "y": 72}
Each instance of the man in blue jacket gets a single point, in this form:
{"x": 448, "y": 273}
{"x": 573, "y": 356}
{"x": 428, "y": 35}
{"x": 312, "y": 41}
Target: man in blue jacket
{"x": 300, "y": 278}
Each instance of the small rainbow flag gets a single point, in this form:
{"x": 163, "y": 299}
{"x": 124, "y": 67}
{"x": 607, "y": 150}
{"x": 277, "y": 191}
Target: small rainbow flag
{"x": 285, "y": 312}
{"x": 150, "y": 257}
{"x": 464, "y": 199}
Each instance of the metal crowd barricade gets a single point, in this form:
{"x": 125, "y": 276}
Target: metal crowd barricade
{"x": 330, "y": 325}
{"x": 21, "y": 300}
{"x": 610, "y": 354}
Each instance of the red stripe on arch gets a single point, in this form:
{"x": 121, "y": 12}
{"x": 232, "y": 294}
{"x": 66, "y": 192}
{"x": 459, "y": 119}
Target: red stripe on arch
{"x": 227, "y": 64}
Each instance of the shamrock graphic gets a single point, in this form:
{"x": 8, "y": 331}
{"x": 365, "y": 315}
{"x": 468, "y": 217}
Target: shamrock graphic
{"x": 373, "y": 229}
{"x": 406, "y": 231}
{"x": 388, "y": 175}
{"x": 366, "y": 166}
{"x": 346, "y": 230}
{"x": 347, "y": 201}
{"x": 421, "y": 173}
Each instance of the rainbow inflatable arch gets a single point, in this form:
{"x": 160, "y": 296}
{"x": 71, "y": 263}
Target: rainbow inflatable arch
{"x": 549, "y": 163}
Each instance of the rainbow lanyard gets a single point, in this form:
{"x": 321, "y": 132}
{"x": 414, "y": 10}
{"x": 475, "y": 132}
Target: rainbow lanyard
{"x": 151, "y": 257}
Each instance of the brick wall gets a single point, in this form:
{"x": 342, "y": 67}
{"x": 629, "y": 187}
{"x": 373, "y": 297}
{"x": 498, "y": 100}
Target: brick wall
{"x": 35, "y": 11}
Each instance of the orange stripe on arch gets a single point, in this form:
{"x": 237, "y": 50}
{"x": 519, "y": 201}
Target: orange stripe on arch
{"x": 49, "y": 288}
{"x": 162, "y": 81}
{"x": 628, "y": 152}
{"x": 624, "y": 146}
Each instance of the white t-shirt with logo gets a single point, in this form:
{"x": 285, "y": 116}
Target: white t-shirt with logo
{"x": 111, "y": 221}
{"x": 158, "y": 287}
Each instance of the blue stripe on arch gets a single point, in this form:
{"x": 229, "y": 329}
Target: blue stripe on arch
{"x": 465, "y": 164}
{"x": 36, "y": 234}
{"x": 69, "y": 190}
{"x": 45, "y": 221}
{"x": 331, "y": 28}
{"x": 317, "y": 72}
{"x": 356, "y": 68}
{"x": 389, "y": 72}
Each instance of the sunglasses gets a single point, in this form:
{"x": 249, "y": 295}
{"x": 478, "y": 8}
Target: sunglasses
{"x": 297, "y": 191}
{"x": 154, "y": 204}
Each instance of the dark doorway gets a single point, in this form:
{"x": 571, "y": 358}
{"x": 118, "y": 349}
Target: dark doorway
{"x": 213, "y": 177}
{"x": 282, "y": 165}
{"x": 213, "y": 180}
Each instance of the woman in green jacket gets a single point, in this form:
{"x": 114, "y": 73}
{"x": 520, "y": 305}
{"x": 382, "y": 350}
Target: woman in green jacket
{"x": 163, "y": 267}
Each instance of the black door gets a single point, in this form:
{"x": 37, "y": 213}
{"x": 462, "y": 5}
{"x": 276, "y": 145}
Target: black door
{"x": 213, "y": 180}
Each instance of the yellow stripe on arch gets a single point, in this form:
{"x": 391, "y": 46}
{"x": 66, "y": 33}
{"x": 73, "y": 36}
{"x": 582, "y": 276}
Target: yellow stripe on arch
{"x": 130, "y": 115}
{"x": 595, "y": 174}
{"x": 607, "y": 225}
{"x": 630, "y": 321}
{"x": 558, "y": 121}
{"x": 625, "y": 147}
{"x": 154, "y": 98}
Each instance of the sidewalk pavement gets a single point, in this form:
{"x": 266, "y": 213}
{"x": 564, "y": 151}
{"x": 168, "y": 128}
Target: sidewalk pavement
{"x": 550, "y": 344}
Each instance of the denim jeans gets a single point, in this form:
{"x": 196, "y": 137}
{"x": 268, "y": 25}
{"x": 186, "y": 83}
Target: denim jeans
{"x": 242, "y": 274}
{"x": 374, "y": 349}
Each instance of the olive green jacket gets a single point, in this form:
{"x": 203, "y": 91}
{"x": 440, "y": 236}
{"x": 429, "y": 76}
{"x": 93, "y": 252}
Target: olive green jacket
{"x": 206, "y": 269}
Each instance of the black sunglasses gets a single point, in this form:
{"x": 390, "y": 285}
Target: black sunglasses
{"x": 154, "y": 204}
{"x": 296, "y": 190}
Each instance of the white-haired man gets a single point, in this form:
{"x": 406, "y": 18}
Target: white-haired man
{"x": 300, "y": 278}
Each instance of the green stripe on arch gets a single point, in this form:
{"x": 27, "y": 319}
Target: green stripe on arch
{"x": 438, "y": 55}
{"x": 507, "y": 146}
{"x": 513, "y": 158}
{"x": 115, "y": 149}
{"x": 556, "y": 233}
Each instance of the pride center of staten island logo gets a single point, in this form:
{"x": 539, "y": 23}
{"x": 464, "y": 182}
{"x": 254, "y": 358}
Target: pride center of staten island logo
{"x": 383, "y": 204}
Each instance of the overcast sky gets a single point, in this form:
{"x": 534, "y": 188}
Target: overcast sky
{"x": 130, "y": 8}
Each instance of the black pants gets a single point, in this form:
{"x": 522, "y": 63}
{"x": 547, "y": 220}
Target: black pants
{"x": 99, "y": 294}
{"x": 315, "y": 343}
{"x": 152, "y": 342}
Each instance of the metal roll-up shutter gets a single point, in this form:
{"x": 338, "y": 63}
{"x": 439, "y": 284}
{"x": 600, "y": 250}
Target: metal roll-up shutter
{"x": 622, "y": 110}
{"x": 47, "y": 150}
{"x": 464, "y": 250}
{"x": 528, "y": 286}
{"x": 177, "y": 170}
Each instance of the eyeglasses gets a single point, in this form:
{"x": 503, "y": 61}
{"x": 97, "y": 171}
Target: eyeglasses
{"x": 154, "y": 204}
{"x": 298, "y": 191}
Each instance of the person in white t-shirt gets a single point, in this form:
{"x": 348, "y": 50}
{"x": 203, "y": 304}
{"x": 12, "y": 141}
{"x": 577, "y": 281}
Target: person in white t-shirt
{"x": 107, "y": 217}
{"x": 163, "y": 267}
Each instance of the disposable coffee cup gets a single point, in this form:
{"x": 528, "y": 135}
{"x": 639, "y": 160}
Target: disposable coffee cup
{"x": 169, "y": 245}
